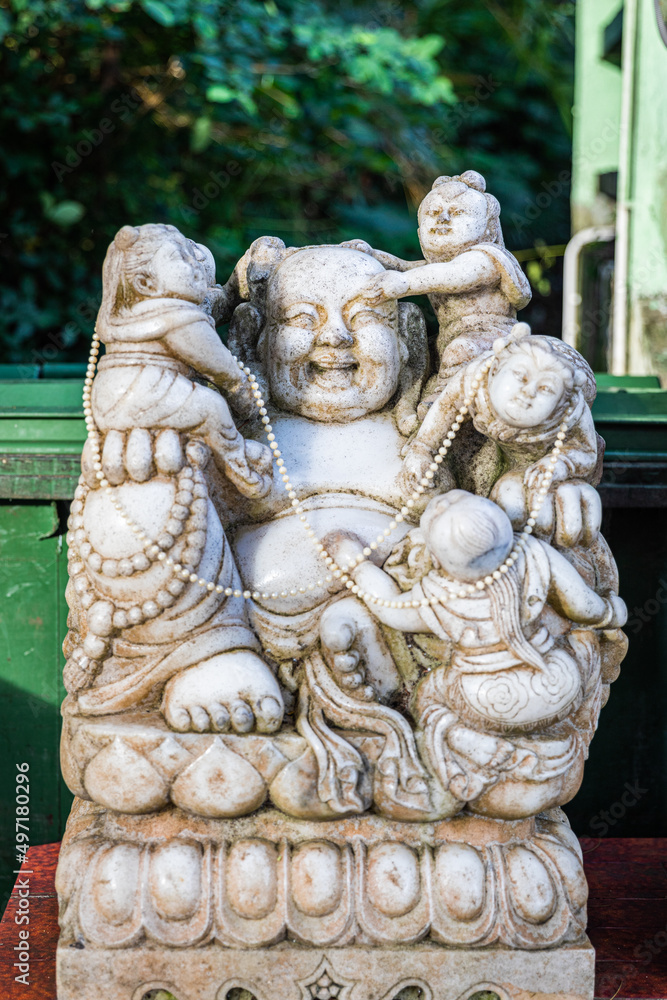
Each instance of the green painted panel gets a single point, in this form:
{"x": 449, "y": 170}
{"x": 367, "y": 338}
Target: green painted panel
{"x": 19, "y": 371}
{"x": 33, "y": 568}
{"x": 606, "y": 381}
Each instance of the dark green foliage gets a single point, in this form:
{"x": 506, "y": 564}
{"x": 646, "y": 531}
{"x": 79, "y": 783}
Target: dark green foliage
{"x": 311, "y": 120}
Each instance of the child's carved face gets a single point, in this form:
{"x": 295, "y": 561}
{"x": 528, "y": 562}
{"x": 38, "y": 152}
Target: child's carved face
{"x": 470, "y": 536}
{"x": 175, "y": 273}
{"x": 452, "y": 218}
{"x": 525, "y": 393}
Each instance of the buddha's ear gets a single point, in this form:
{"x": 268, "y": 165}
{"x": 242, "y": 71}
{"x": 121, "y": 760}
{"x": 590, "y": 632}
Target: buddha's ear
{"x": 245, "y": 339}
{"x": 414, "y": 368}
{"x": 244, "y": 330}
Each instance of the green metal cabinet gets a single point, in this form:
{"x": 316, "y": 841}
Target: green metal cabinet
{"x": 41, "y": 436}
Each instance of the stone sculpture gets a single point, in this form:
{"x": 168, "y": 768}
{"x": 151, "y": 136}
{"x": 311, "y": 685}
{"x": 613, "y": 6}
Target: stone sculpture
{"x": 340, "y": 627}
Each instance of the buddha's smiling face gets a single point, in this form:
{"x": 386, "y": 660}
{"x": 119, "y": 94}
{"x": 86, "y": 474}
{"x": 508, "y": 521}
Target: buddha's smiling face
{"x": 328, "y": 354}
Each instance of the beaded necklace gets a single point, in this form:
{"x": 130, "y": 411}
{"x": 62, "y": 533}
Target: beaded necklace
{"x": 159, "y": 552}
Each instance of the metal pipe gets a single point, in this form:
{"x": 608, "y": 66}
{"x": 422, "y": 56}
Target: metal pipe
{"x": 619, "y": 329}
{"x": 571, "y": 293}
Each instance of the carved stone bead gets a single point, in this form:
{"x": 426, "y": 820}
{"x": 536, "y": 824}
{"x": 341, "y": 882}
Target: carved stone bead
{"x": 140, "y": 561}
{"x": 94, "y": 646}
{"x": 100, "y": 617}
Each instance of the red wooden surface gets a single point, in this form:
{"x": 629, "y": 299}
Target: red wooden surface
{"x": 627, "y": 921}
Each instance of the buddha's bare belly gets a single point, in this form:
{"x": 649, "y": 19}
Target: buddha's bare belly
{"x": 279, "y": 557}
{"x": 346, "y": 475}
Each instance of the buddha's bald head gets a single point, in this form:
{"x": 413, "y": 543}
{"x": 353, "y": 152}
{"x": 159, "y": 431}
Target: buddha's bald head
{"x": 328, "y": 354}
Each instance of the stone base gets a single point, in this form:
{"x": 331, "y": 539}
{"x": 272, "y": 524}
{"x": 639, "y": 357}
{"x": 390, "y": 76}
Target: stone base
{"x": 181, "y": 881}
{"x": 293, "y": 972}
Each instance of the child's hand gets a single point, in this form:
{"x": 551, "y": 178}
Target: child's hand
{"x": 387, "y": 286}
{"x": 343, "y": 547}
{"x": 534, "y": 474}
{"x": 360, "y": 245}
{"x": 415, "y": 467}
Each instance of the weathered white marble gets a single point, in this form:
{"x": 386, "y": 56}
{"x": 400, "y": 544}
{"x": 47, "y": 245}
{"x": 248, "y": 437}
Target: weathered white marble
{"x": 340, "y": 625}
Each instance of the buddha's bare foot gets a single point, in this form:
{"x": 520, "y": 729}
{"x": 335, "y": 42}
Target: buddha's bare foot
{"x": 232, "y": 691}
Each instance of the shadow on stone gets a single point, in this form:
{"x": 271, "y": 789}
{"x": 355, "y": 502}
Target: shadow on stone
{"x": 411, "y": 993}
{"x": 238, "y": 993}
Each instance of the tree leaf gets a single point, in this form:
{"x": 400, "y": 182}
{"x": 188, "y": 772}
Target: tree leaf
{"x": 160, "y": 12}
{"x": 65, "y": 213}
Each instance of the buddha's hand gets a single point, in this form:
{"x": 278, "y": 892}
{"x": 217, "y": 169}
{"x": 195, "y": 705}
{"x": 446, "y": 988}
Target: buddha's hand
{"x": 386, "y": 286}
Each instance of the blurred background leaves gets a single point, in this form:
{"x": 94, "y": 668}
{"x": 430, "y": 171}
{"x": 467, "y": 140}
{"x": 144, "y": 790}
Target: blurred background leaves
{"x": 310, "y": 120}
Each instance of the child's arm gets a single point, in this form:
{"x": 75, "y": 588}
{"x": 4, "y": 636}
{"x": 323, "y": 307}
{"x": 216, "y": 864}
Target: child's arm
{"x": 199, "y": 346}
{"x": 388, "y": 260}
{"x": 577, "y": 460}
{"x": 469, "y": 272}
{"x": 440, "y": 416}
{"x": 422, "y": 449}
{"x": 577, "y": 601}
{"x": 373, "y": 580}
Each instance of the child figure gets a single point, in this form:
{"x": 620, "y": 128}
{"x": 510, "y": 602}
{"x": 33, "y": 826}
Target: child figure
{"x": 520, "y": 401}
{"x": 156, "y": 322}
{"x": 474, "y": 284}
{"x": 512, "y": 668}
